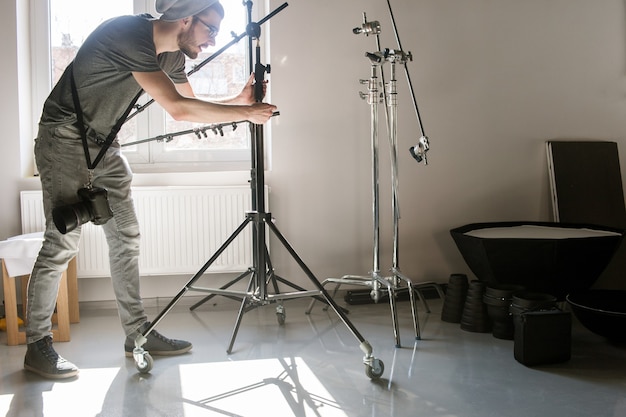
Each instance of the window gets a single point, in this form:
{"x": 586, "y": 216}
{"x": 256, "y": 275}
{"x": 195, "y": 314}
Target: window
{"x": 228, "y": 148}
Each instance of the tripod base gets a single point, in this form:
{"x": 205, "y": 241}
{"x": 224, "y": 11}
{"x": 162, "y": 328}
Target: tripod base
{"x": 390, "y": 285}
{"x": 256, "y": 295}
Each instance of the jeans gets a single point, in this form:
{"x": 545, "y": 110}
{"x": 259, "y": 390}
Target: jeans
{"x": 63, "y": 170}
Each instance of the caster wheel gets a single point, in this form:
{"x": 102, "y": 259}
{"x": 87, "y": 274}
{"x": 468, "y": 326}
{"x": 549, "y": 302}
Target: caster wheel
{"x": 146, "y": 365}
{"x": 376, "y": 371}
{"x": 280, "y": 315}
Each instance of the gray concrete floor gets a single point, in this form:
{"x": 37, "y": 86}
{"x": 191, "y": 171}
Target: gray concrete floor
{"x": 312, "y": 366}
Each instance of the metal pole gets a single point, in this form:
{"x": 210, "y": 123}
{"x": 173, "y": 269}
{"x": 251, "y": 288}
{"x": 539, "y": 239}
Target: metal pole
{"x": 393, "y": 129}
{"x": 373, "y": 99}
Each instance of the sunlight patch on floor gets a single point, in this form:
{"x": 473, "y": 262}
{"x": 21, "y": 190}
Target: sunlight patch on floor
{"x": 5, "y": 403}
{"x": 280, "y": 387}
{"x": 88, "y": 395}
{"x": 82, "y": 396}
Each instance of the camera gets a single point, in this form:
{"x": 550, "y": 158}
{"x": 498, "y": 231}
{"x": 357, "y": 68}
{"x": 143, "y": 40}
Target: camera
{"x": 94, "y": 207}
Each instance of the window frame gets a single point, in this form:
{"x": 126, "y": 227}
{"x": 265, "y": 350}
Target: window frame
{"x": 150, "y": 157}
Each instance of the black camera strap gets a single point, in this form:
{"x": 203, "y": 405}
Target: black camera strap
{"x": 81, "y": 124}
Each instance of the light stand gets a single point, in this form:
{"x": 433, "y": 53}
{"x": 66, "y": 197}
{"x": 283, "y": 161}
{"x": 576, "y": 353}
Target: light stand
{"x": 262, "y": 272}
{"x": 394, "y": 283}
{"x": 418, "y": 152}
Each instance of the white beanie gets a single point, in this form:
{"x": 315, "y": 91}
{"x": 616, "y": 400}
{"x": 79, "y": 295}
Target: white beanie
{"x": 179, "y": 9}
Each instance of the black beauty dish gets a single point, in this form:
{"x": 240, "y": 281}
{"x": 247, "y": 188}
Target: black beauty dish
{"x": 547, "y": 257}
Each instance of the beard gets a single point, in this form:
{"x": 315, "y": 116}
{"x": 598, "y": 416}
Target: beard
{"x": 187, "y": 45}
{"x": 189, "y": 53}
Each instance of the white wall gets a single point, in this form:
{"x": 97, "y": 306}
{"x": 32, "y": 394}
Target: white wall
{"x": 10, "y": 120}
{"x": 494, "y": 80}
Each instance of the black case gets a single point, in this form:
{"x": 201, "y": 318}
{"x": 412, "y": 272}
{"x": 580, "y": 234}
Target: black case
{"x": 543, "y": 337}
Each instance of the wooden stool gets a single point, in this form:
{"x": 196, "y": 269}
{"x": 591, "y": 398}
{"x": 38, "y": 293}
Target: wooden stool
{"x": 62, "y": 332}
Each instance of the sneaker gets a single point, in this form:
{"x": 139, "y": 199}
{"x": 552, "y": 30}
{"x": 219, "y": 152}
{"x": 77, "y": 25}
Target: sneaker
{"x": 42, "y": 359}
{"x": 157, "y": 344}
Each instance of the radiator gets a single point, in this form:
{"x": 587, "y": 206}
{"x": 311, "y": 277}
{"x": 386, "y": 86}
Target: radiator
{"x": 181, "y": 228}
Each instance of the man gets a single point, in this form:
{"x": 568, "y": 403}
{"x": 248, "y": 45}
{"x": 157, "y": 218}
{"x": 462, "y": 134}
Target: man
{"x": 123, "y": 56}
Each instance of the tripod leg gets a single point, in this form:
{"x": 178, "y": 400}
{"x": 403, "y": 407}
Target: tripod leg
{"x": 256, "y": 278}
{"x": 374, "y": 367}
{"x": 413, "y": 292}
{"x": 423, "y": 299}
{"x": 242, "y": 309}
{"x": 312, "y": 303}
{"x": 315, "y": 297}
{"x": 416, "y": 324}
{"x": 394, "y": 313}
{"x": 143, "y": 360}
{"x": 280, "y": 309}
{"x": 418, "y": 289}
{"x": 197, "y": 276}
{"x": 228, "y": 285}
{"x": 333, "y": 294}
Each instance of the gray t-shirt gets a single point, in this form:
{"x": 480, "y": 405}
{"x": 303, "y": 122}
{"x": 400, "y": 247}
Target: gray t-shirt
{"x": 103, "y": 73}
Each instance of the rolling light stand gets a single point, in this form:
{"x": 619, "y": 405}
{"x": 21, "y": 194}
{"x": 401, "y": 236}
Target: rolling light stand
{"x": 261, "y": 273}
{"x": 375, "y": 281}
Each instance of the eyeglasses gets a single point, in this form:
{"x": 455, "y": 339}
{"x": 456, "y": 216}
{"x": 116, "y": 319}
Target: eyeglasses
{"x": 213, "y": 31}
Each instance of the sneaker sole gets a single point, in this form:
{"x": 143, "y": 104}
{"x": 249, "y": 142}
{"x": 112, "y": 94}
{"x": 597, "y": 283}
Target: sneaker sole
{"x": 162, "y": 352}
{"x": 64, "y": 375}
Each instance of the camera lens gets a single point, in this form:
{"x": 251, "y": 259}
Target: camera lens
{"x": 68, "y": 218}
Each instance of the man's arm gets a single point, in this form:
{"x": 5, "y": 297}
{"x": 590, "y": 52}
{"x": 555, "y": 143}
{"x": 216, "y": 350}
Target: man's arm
{"x": 182, "y": 107}
{"x": 184, "y": 89}
{"x": 245, "y": 97}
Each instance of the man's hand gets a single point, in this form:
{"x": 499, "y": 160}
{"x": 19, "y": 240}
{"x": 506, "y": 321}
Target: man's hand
{"x": 191, "y": 109}
{"x": 260, "y": 112}
{"x": 246, "y": 96}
